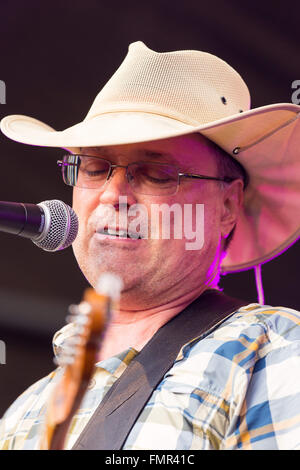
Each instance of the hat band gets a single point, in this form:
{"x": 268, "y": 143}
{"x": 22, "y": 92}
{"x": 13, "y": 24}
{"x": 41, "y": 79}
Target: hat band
{"x": 152, "y": 108}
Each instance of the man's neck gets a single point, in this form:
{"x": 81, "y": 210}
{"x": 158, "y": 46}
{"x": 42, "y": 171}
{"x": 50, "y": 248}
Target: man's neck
{"x": 134, "y": 328}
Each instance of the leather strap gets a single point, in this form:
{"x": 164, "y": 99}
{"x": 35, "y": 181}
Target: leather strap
{"x": 115, "y": 416}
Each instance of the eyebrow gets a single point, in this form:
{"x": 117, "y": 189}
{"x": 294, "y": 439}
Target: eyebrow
{"x": 142, "y": 152}
{"x": 157, "y": 154}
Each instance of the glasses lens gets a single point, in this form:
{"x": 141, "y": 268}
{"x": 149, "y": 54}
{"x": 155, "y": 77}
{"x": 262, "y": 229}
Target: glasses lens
{"x": 85, "y": 172}
{"x": 156, "y": 179}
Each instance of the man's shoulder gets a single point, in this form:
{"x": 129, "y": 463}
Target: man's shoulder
{"x": 277, "y": 324}
{"x": 253, "y": 328}
{"x": 279, "y": 320}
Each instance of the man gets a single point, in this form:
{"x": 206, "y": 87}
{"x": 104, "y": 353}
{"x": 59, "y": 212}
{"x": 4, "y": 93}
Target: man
{"x": 175, "y": 129}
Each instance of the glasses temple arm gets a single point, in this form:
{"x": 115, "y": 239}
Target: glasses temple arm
{"x": 226, "y": 179}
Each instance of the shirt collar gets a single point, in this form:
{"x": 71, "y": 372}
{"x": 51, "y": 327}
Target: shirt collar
{"x": 114, "y": 365}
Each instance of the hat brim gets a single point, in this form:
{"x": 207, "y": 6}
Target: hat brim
{"x": 270, "y": 152}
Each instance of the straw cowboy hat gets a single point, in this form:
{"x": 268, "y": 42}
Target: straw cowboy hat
{"x": 161, "y": 95}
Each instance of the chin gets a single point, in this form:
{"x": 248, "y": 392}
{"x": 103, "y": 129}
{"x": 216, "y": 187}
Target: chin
{"x": 93, "y": 263}
{"x": 130, "y": 280}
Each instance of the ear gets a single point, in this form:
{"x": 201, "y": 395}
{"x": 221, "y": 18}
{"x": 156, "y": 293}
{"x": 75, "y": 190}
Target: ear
{"x": 233, "y": 196}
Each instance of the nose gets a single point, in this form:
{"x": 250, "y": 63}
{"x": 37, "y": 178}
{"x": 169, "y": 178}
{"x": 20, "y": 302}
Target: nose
{"x": 117, "y": 185}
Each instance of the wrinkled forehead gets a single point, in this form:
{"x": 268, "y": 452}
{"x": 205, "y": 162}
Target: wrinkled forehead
{"x": 192, "y": 151}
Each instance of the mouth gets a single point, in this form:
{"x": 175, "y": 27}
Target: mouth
{"x": 119, "y": 233}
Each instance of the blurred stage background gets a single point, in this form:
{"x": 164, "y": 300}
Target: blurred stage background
{"x": 55, "y": 57}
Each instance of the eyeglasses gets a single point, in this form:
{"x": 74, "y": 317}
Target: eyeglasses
{"x": 148, "y": 178}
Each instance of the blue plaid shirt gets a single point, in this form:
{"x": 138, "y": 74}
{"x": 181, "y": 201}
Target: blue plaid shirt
{"x": 238, "y": 387}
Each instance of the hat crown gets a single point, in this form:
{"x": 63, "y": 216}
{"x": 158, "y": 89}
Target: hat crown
{"x": 191, "y": 86}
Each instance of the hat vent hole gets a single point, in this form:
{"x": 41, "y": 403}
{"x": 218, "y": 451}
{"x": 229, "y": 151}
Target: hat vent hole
{"x": 224, "y": 100}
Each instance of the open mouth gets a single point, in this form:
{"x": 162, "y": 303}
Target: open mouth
{"x": 119, "y": 233}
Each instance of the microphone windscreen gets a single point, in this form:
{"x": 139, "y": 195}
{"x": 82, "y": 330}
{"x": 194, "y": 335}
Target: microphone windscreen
{"x": 61, "y": 226}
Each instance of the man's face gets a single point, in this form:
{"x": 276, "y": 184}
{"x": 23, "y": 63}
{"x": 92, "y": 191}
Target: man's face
{"x": 153, "y": 268}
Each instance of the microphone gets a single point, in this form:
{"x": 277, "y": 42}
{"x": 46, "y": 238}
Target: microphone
{"x": 51, "y": 225}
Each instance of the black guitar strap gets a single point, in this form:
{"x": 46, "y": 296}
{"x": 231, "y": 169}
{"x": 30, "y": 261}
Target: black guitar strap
{"x": 114, "y": 418}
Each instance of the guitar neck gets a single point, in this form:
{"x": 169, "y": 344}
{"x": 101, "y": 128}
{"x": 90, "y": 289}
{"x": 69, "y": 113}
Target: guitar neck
{"x": 90, "y": 318}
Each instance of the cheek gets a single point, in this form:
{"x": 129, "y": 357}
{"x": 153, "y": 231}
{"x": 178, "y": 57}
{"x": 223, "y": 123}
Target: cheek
{"x": 206, "y": 215}
{"x": 83, "y": 204}
{"x": 213, "y": 225}
{"x": 79, "y": 201}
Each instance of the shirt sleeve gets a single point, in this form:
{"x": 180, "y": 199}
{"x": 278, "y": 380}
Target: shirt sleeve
{"x": 21, "y": 422}
{"x": 268, "y": 418}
